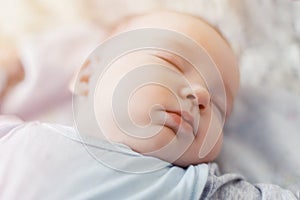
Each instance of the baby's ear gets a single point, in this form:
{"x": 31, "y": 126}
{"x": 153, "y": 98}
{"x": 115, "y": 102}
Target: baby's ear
{"x": 79, "y": 85}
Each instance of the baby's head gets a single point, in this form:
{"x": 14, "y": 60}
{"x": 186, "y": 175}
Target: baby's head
{"x": 175, "y": 112}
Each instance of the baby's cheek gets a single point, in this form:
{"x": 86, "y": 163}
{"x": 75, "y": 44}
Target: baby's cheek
{"x": 148, "y": 100}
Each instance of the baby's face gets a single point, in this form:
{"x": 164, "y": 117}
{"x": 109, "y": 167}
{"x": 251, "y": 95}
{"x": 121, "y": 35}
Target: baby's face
{"x": 178, "y": 110}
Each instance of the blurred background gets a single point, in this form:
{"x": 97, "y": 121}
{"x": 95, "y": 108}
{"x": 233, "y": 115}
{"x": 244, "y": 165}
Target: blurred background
{"x": 265, "y": 34}
{"x": 44, "y": 42}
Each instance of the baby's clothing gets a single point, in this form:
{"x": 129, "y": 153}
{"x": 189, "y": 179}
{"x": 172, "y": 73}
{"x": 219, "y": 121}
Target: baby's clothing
{"x": 44, "y": 161}
{"x": 50, "y": 161}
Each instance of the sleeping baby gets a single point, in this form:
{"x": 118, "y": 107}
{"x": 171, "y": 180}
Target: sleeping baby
{"x": 150, "y": 124}
{"x": 175, "y": 113}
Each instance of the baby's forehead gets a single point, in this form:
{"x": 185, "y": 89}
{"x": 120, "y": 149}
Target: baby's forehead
{"x": 196, "y": 29}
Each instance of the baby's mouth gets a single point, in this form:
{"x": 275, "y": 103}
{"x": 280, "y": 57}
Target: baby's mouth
{"x": 179, "y": 120}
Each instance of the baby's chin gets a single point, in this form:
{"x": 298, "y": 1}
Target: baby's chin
{"x": 191, "y": 157}
{"x": 180, "y": 153}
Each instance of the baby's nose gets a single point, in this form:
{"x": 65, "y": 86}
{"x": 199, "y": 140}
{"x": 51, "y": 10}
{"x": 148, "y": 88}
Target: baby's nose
{"x": 197, "y": 94}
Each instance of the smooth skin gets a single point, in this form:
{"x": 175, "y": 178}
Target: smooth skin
{"x": 176, "y": 115}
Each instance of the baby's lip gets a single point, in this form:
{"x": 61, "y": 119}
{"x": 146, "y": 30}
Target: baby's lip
{"x": 186, "y": 116}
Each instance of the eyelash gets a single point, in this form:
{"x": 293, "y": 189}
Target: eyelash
{"x": 170, "y": 62}
{"x": 216, "y": 103}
